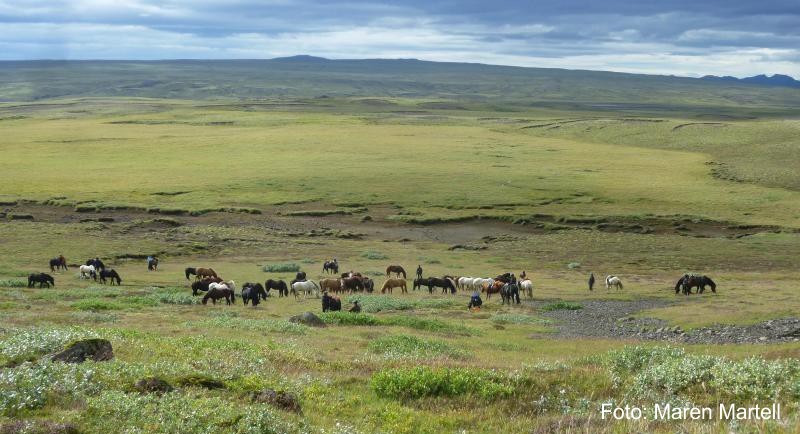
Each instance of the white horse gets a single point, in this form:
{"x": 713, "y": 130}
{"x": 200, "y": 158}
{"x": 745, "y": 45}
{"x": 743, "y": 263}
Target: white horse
{"x": 526, "y": 286}
{"x": 307, "y": 287}
{"x": 613, "y": 281}
{"x": 88, "y": 271}
{"x": 463, "y": 282}
{"x": 223, "y": 285}
{"x": 475, "y": 285}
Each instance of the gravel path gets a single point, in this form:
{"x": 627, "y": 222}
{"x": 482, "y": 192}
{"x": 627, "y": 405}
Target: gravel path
{"x": 613, "y": 319}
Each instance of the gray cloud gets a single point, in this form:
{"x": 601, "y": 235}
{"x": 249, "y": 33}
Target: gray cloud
{"x": 738, "y": 37}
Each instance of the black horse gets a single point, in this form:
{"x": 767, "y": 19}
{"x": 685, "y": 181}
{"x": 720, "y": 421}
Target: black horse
{"x": 253, "y": 292}
{"x": 112, "y": 274}
{"x": 352, "y": 284}
{"x": 42, "y": 279}
{"x": 299, "y": 277}
{"x": 419, "y": 283}
{"x": 331, "y": 303}
{"x": 507, "y": 278}
{"x": 330, "y": 267}
{"x": 58, "y": 264}
{"x": 279, "y": 285}
{"x": 98, "y": 264}
{"x": 200, "y": 285}
{"x": 510, "y": 293}
{"x": 369, "y": 284}
{"x": 688, "y": 281}
{"x": 444, "y": 283}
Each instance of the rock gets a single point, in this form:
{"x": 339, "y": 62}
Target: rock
{"x": 762, "y": 339}
{"x": 201, "y": 381}
{"x": 95, "y": 349}
{"x": 307, "y": 318}
{"x": 153, "y": 385}
{"x": 280, "y": 399}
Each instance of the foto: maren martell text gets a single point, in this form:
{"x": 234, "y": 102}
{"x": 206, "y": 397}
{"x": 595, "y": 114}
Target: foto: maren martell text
{"x": 669, "y": 412}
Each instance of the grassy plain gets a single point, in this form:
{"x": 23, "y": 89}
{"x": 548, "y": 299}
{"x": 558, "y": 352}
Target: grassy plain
{"x": 600, "y": 191}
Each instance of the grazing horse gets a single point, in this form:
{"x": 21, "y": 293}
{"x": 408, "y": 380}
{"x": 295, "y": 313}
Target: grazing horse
{"x": 42, "y": 279}
{"x": 690, "y": 281}
{"x": 397, "y": 270}
{"x": 307, "y": 287}
{"x": 330, "y": 267}
{"x": 331, "y": 303}
{"x": 280, "y": 285}
{"x": 510, "y": 293}
{"x": 353, "y": 284}
{"x": 332, "y": 285}
{"x": 526, "y": 286}
{"x": 199, "y": 273}
{"x": 58, "y": 263}
{"x": 200, "y": 285}
{"x": 493, "y": 288}
{"x": 444, "y": 283}
{"x": 614, "y": 281}
{"x": 392, "y": 283}
{"x": 217, "y": 291}
{"x": 369, "y": 285}
{"x": 419, "y": 282}
{"x": 112, "y": 274}
{"x": 253, "y": 292}
{"x": 96, "y": 263}
{"x": 88, "y": 271}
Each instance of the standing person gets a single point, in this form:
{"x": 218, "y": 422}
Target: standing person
{"x": 591, "y": 281}
{"x": 419, "y": 271}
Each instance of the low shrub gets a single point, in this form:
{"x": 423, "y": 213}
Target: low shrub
{"x": 13, "y": 283}
{"x": 262, "y": 325}
{"x": 369, "y": 254}
{"x": 32, "y": 385}
{"x": 177, "y": 298}
{"x": 412, "y": 347}
{"x": 96, "y": 304}
{"x": 377, "y": 303}
{"x": 17, "y": 343}
{"x": 424, "y": 381}
{"x": 561, "y": 305}
{"x": 281, "y": 268}
{"x": 347, "y": 318}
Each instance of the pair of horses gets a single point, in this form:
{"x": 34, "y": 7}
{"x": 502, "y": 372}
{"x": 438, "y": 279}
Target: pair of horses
{"x": 43, "y": 279}
{"x": 59, "y": 263}
{"x": 217, "y": 291}
{"x": 351, "y": 284}
{"x": 689, "y": 281}
{"x": 253, "y": 292}
{"x": 96, "y": 263}
{"x": 330, "y": 267}
{"x": 199, "y": 273}
{"x": 446, "y": 283}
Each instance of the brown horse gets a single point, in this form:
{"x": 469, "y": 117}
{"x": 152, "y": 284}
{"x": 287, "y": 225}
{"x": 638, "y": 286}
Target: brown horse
{"x": 58, "y": 263}
{"x": 352, "y": 284}
{"x": 397, "y": 270}
{"x": 332, "y": 285}
{"x": 394, "y": 283}
{"x": 494, "y": 288}
{"x": 200, "y": 273}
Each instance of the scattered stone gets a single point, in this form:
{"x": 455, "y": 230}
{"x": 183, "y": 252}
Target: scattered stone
{"x": 153, "y": 385}
{"x": 98, "y": 350}
{"x": 280, "y": 399}
{"x": 307, "y": 318}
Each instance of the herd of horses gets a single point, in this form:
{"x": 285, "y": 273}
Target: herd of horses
{"x": 215, "y": 288}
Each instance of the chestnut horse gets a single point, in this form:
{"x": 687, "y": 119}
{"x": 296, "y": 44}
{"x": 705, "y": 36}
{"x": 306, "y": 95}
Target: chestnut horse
{"x": 494, "y": 288}
{"x": 200, "y": 273}
{"x": 394, "y": 283}
{"x": 332, "y": 285}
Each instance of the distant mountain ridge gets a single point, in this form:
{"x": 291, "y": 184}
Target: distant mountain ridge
{"x": 761, "y": 80}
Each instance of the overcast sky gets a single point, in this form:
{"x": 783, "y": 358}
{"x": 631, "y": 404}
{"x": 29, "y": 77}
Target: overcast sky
{"x": 681, "y": 37}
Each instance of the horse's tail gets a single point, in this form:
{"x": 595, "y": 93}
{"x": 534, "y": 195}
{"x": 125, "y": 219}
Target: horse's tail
{"x": 403, "y": 272}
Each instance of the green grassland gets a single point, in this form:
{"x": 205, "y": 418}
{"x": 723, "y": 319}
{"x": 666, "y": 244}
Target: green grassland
{"x": 467, "y": 170}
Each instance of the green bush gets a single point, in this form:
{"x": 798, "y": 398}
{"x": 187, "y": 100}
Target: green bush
{"x": 424, "y": 381}
{"x": 369, "y": 254}
{"x": 561, "y": 305}
{"x": 13, "y": 283}
{"x": 377, "y": 303}
{"x": 96, "y": 304}
{"x": 262, "y": 325}
{"x": 347, "y": 318}
{"x": 281, "y": 268}
{"x": 412, "y": 347}
{"x": 32, "y": 385}
{"x": 177, "y": 298}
